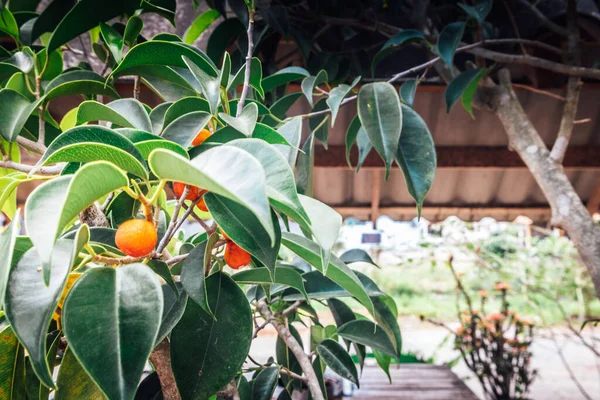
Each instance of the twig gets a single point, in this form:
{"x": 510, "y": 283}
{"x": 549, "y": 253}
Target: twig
{"x": 171, "y": 228}
{"x": 176, "y": 259}
{"x": 161, "y": 360}
{"x": 545, "y": 20}
{"x": 186, "y": 214}
{"x": 136, "y": 88}
{"x": 573, "y": 88}
{"x": 292, "y": 308}
{"x": 246, "y": 86}
{"x": 311, "y": 378}
{"x": 208, "y": 229}
{"x": 559, "y": 350}
{"x": 51, "y": 170}
{"x": 120, "y": 260}
{"x": 539, "y": 91}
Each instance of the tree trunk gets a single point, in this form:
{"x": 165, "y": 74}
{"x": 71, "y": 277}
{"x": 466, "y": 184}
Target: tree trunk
{"x": 161, "y": 360}
{"x": 568, "y": 211}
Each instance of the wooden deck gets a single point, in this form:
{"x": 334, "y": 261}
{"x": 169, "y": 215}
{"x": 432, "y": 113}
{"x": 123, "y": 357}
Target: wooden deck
{"x": 412, "y": 381}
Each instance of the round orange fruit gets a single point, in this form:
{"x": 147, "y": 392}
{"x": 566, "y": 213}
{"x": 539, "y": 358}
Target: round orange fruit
{"x": 235, "y": 256}
{"x": 136, "y": 237}
{"x": 193, "y": 193}
{"x": 202, "y": 205}
{"x": 201, "y": 137}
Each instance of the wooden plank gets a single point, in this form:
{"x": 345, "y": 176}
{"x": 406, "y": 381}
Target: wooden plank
{"x": 412, "y": 381}
{"x": 461, "y": 157}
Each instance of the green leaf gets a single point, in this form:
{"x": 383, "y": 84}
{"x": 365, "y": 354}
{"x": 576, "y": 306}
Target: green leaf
{"x": 286, "y": 358}
{"x": 262, "y": 109}
{"x": 211, "y": 86}
{"x": 311, "y": 82}
{"x": 337, "y": 271}
{"x": 14, "y": 111}
{"x": 337, "y": 95}
{"x": 132, "y": 30}
{"x": 157, "y": 52}
{"x": 395, "y": 43}
{"x": 459, "y": 84}
{"x": 387, "y": 320}
{"x": 292, "y": 132}
{"x": 319, "y": 125}
{"x": 408, "y": 91}
{"x": 282, "y": 276}
{"x": 281, "y": 188}
{"x": 8, "y": 24}
{"x": 280, "y": 108}
{"x": 318, "y": 368}
{"x": 246, "y": 122}
{"x": 225, "y": 33}
{"x": 184, "y": 106}
{"x": 85, "y": 15}
{"x": 357, "y": 255}
{"x": 12, "y": 366}
{"x": 448, "y": 41}
{"x": 225, "y": 71}
{"x": 384, "y": 361}
{"x": 146, "y": 147}
{"x": 469, "y": 92}
{"x": 29, "y": 303}
{"x": 269, "y": 135}
{"x": 243, "y": 227}
{"x": 20, "y": 61}
{"x": 199, "y": 25}
{"x": 304, "y": 169}
{"x": 224, "y": 170}
{"x": 338, "y": 359}
{"x": 193, "y": 273}
{"x": 8, "y": 238}
{"x": 95, "y": 143}
{"x": 326, "y": 225}
{"x": 73, "y": 382}
{"x": 157, "y": 117}
{"x": 184, "y": 129}
{"x": 322, "y": 288}
{"x": 66, "y": 196}
{"x": 478, "y": 11}
{"x": 381, "y": 117}
{"x": 127, "y": 302}
{"x": 351, "y": 135}
{"x": 284, "y": 76}
{"x": 365, "y": 332}
{"x": 174, "y": 307}
{"x": 129, "y": 113}
{"x": 265, "y": 384}
{"x": 364, "y": 147}
{"x": 255, "y": 77}
{"x": 207, "y": 352}
{"x": 113, "y": 40}
{"x": 79, "y": 82}
{"x": 416, "y": 155}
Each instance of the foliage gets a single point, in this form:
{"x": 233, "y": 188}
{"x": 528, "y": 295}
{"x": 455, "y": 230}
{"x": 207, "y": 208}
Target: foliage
{"x": 109, "y": 296}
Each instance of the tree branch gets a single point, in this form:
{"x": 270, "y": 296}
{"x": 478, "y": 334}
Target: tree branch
{"x": 246, "y": 86}
{"x": 51, "y": 170}
{"x": 284, "y": 333}
{"x": 559, "y": 30}
{"x": 573, "y": 87}
{"x": 161, "y": 360}
{"x": 39, "y": 148}
{"x": 171, "y": 228}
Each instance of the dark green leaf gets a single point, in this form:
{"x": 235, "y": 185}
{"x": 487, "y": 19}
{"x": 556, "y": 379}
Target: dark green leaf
{"x": 458, "y": 85}
{"x": 478, "y": 11}
{"x": 128, "y": 113}
{"x": 311, "y": 82}
{"x": 128, "y": 303}
{"x": 184, "y": 106}
{"x": 365, "y": 332}
{"x": 15, "y": 109}
{"x": 384, "y": 361}
{"x": 211, "y": 86}
{"x": 283, "y": 76}
{"x": 282, "y": 276}
{"x": 357, "y": 255}
{"x": 381, "y": 117}
{"x": 246, "y": 122}
{"x": 79, "y": 82}
{"x": 319, "y": 125}
{"x": 416, "y": 155}
{"x": 286, "y": 358}
{"x": 268, "y": 134}
{"x": 280, "y": 108}
{"x": 338, "y": 359}
{"x": 12, "y": 366}
{"x": 184, "y": 129}
{"x": 132, "y": 30}
{"x": 320, "y": 287}
{"x": 193, "y": 273}
{"x": 207, "y": 353}
{"x": 337, "y": 95}
{"x": 157, "y": 117}
{"x": 469, "y": 92}
{"x": 351, "y": 135}
{"x": 387, "y": 320}
{"x": 225, "y": 33}
{"x": 73, "y": 382}
{"x": 408, "y": 91}
{"x": 304, "y": 170}
{"x": 113, "y": 40}
{"x": 395, "y": 43}
{"x": 292, "y": 132}
{"x": 8, "y": 239}
{"x": 174, "y": 307}
{"x": 265, "y": 383}
{"x": 255, "y": 77}
{"x": 448, "y": 41}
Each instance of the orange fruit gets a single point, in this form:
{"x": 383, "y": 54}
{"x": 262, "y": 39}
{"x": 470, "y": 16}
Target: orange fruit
{"x": 193, "y": 193}
{"x": 201, "y": 137}
{"x": 136, "y": 237}
{"x": 202, "y": 205}
{"x": 224, "y": 234}
{"x": 235, "y": 256}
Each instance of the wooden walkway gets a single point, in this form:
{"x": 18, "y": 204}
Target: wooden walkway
{"x": 412, "y": 381}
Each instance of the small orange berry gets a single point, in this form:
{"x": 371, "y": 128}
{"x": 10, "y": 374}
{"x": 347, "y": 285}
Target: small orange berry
{"x": 202, "y": 205}
{"x": 193, "y": 193}
{"x": 202, "y": 136}
{"x": 136, "y": 237}
{"x": 235, "y": 256}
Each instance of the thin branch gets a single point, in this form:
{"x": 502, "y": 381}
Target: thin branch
{"x": 161, "y": 360}
{"x": 209, "y": 229}
{"x": 136, "y": 88}
{"x": 539, "y": 91}
{"x": 176, "y": 259}
{"x": 120, "y": 260}
{"x": 573, "y": 87}
{"x": 171, "y": 228}
{"x": 39, "y": 148}
{"x": 51, "y": 170}
{"x": 311, "y": 377}
{"x": 109, "y": 198}
{"x": 246, "y": 86}
{"x": 559, "y": 30}
{"x": 292, "y": 308}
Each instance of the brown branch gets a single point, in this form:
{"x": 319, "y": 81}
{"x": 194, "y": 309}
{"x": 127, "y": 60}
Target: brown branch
{"x": 136, "y": 88}
{"x": 120, "y": 260}
{"x": 39, "y": 148}
{"x": 539, "y": 91}
{"x": 292, "y": 308}
{"x": 573, "y": 87}
{"x": 284, "y": 333}
{"x": 161, "y": 360}
{"x": 171, "y": 228}
{"x": 559, "y": 30}
{"x": 176, "y": 259}
{"x": 246, "y": 86}
{"x": 51, "y": 170}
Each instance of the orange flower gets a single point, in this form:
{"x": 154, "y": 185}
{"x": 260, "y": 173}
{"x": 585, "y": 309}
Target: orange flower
{"x": 482, "y": 293}
{"x": 501, "y": 286}
{"x": 495, "y": 317}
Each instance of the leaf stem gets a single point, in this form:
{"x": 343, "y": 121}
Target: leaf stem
{"x": 248, "y": 71}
